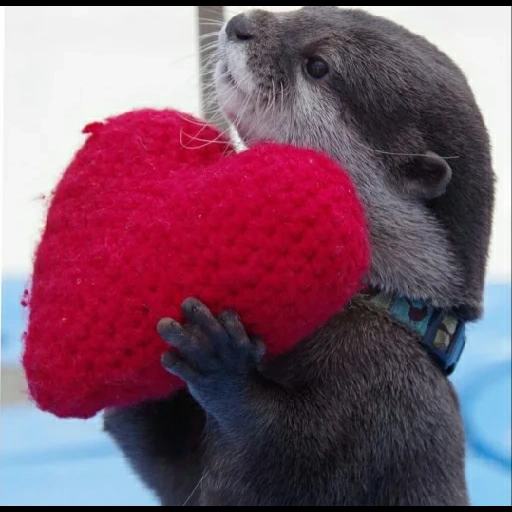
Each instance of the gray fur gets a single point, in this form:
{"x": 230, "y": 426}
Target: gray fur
{"x": 389, "y": 90}
{"x": 357, "y": 414}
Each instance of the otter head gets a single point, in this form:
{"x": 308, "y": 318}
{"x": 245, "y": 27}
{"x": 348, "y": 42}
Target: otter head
{"x": 397, "y": 113}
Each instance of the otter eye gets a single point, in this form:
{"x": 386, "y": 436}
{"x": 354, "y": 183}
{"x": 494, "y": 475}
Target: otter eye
{"x": 317, "y": 68}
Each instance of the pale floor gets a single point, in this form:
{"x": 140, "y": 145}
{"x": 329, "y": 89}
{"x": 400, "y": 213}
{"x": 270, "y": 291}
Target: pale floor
{"x": 47, "y": 461}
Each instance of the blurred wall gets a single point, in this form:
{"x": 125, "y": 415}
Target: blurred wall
{"x": 67, "y": 66}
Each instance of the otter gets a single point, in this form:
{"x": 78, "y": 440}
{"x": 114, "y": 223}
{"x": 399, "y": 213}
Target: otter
{"x": 358, "y": 413}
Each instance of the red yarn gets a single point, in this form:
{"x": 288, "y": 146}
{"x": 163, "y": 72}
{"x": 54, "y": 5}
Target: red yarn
{"x": 140, "y": 221}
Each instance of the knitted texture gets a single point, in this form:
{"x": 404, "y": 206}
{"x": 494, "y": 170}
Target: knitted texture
{"x": 149, "y": 213}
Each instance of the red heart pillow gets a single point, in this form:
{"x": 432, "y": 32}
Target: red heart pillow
{"x": 157, "y": 207}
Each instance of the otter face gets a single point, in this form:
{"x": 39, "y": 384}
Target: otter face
{"x": 390, "y": 107}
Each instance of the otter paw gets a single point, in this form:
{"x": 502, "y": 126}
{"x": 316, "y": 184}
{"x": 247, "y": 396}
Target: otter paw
{"x": 215, "y": 354}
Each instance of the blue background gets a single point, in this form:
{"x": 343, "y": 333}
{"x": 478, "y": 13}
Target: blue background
{"x": 47, "y": 461}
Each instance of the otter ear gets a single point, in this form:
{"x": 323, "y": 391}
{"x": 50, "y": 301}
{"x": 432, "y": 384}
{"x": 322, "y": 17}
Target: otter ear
{"x": 428, "y": 175}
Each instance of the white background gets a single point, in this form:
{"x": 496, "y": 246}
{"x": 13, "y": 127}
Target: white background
{"x": 67, "y": 66}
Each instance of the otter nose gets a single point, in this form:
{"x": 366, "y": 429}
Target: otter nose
{"x": 240, "y": 28}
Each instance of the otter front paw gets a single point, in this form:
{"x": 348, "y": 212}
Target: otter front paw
{"x": 215, "y": 355}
